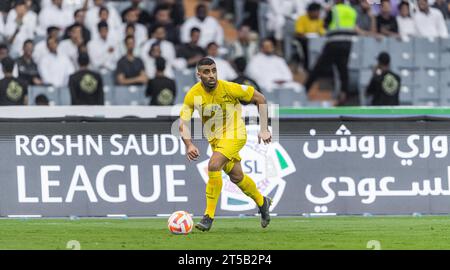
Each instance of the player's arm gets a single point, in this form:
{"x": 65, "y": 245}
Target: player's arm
{"x": 260, "y": 101}
{"x": 192, "y": 151}
{"x": 187, "y": 110}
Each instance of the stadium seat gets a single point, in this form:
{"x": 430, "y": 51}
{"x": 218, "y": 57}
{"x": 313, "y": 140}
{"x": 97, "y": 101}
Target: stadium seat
{"x": 444, "y": 83}
{"x": 108, "y": 77}
{"x": 315, "y": 46}
{"x": 371, "y": 47}
{"x": 444, "y": 60}
{"x": 289, "y": 35}
{"x": 184, "y": 80}
{"x": 263, "y": 9}
{"x": 426, "y": 52}
{"x": 402, "y": 54}
{"x": 289, "y": 97}
{"x": 408, "y": 85}
{"x": 108, "y": 92}
{"x": 64, "y": 96}
{"x": 427, "y": 81}
{"x": 355, "y": 54}
{"x": 239, "y": 12}
{"x": 130, "y": 95}
{"x": 365, "y": 76}
{"x": 271, "y": 97}
{"x": 49, "y": 91}
{"x": 406, "y": 95}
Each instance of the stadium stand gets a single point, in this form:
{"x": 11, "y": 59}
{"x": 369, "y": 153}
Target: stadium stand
{"x": 422, "y": 63}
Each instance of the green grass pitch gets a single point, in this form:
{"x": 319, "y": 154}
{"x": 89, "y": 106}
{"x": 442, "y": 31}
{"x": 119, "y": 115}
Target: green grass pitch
{"x": 335, "y": 233}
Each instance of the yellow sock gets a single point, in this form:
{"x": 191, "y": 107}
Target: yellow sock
{"x": 213, "y": 189}
{"x": 249, "y": 188}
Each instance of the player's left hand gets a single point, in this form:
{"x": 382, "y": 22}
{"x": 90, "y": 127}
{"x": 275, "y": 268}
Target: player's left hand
{"x": 265, "y": 136}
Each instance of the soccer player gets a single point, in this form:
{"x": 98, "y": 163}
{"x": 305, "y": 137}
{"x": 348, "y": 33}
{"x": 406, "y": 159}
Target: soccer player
{"x": 218, "y": 103}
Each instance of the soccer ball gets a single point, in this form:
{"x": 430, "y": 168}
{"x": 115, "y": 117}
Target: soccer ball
{"x": 180, "y": 222}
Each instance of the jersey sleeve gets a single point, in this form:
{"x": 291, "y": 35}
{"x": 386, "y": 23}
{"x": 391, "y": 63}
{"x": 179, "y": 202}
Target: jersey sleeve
{"x": 241, "y": 92}
{"x": 188, "y": 108}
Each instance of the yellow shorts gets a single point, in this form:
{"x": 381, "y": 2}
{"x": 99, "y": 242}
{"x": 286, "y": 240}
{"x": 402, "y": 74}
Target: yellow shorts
{"x": 228, "y": 147}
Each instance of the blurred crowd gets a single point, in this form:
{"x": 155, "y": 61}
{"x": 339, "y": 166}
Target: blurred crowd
{"x": 50, "y": 41}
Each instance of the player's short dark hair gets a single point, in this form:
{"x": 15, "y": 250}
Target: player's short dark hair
{"x": 3, "y": 46}
{"x": 19, "y": 3}
{"x": 205, "y": 61}
{"x": 27, "y": 41}
{"x": 195, "y": 29}
{"x": 266, "y": 39}
{"x": 403, "y": 3}
{"x": 41, "y": 100}
{"x": 50, "y": 38}
{"x": 83, "y": 59}
{"x": 75, "y": 25}
{"x": 50, "y": 29}
{"x": 160, "y": 64}
{"x": 200, "y": 6}
{"x": 211, "y": 44}
{"x": 130, "y": 25}
{"x": 160, "y": 7}
{"x": 101, "y": 25}
{"x": 8, "y": 65}
{"x": 240, "y": 63}
{"x": 102, "y": 9}
{"x": 77, "y": 11}
{"x": 313, "y": 7}
{"x": 384, "y": 58}
{"x": 155, "y": 27}
{"x": 131, "y": 9}
{"x": 128, "y": 37}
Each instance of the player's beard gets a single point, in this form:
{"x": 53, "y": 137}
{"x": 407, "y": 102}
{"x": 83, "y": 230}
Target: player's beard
{"x": 211, "y": 84}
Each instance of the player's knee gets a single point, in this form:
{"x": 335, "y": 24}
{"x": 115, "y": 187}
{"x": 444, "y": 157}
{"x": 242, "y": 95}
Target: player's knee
{"x": 214, "y": 166}
{"x": 236, "y": 177}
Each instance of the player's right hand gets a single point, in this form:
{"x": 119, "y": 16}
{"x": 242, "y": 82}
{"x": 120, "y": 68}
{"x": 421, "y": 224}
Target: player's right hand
{"x": 192, "y": 153}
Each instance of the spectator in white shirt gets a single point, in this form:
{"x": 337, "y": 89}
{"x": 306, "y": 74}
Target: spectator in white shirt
{"x": 158, "y": 34}
{"x": 130, "y": 30}
{"x": 20, "y": 26}
{"x": 93, "y": 18}
{"x": 140, "y": 31}
{"x": 104, "y": 50}
{"x": 54, "y": 15}
{"x": 430, "y": 22}
{"x": 269, "y": 70}
{"x": 69, "y": 4}
{"x": 280, "y": 10}
{"x": 70, "y": 47}
{"x": 245, "y": 46}
{"x": 210, "y": 29}
{"x": 41, "y": 48}
{"x": 224, "y": 70}
{"x": 55, "y": 68}
{"x": 406, "y": 26}
{"x": 150, "y": 62}
{"x": 79, "y": 19}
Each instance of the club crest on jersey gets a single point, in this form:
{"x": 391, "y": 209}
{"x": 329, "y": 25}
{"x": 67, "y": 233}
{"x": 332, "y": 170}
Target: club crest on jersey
{"x": 267, "y": 165}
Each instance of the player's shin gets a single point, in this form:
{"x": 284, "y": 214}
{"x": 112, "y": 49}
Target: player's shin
{"x": 213, "y": 189}
{"x": 248, "y": 186}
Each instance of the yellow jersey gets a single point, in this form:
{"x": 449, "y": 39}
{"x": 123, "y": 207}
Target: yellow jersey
{"x": 304, "y": 25}
{"x": 219, "y": 109}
